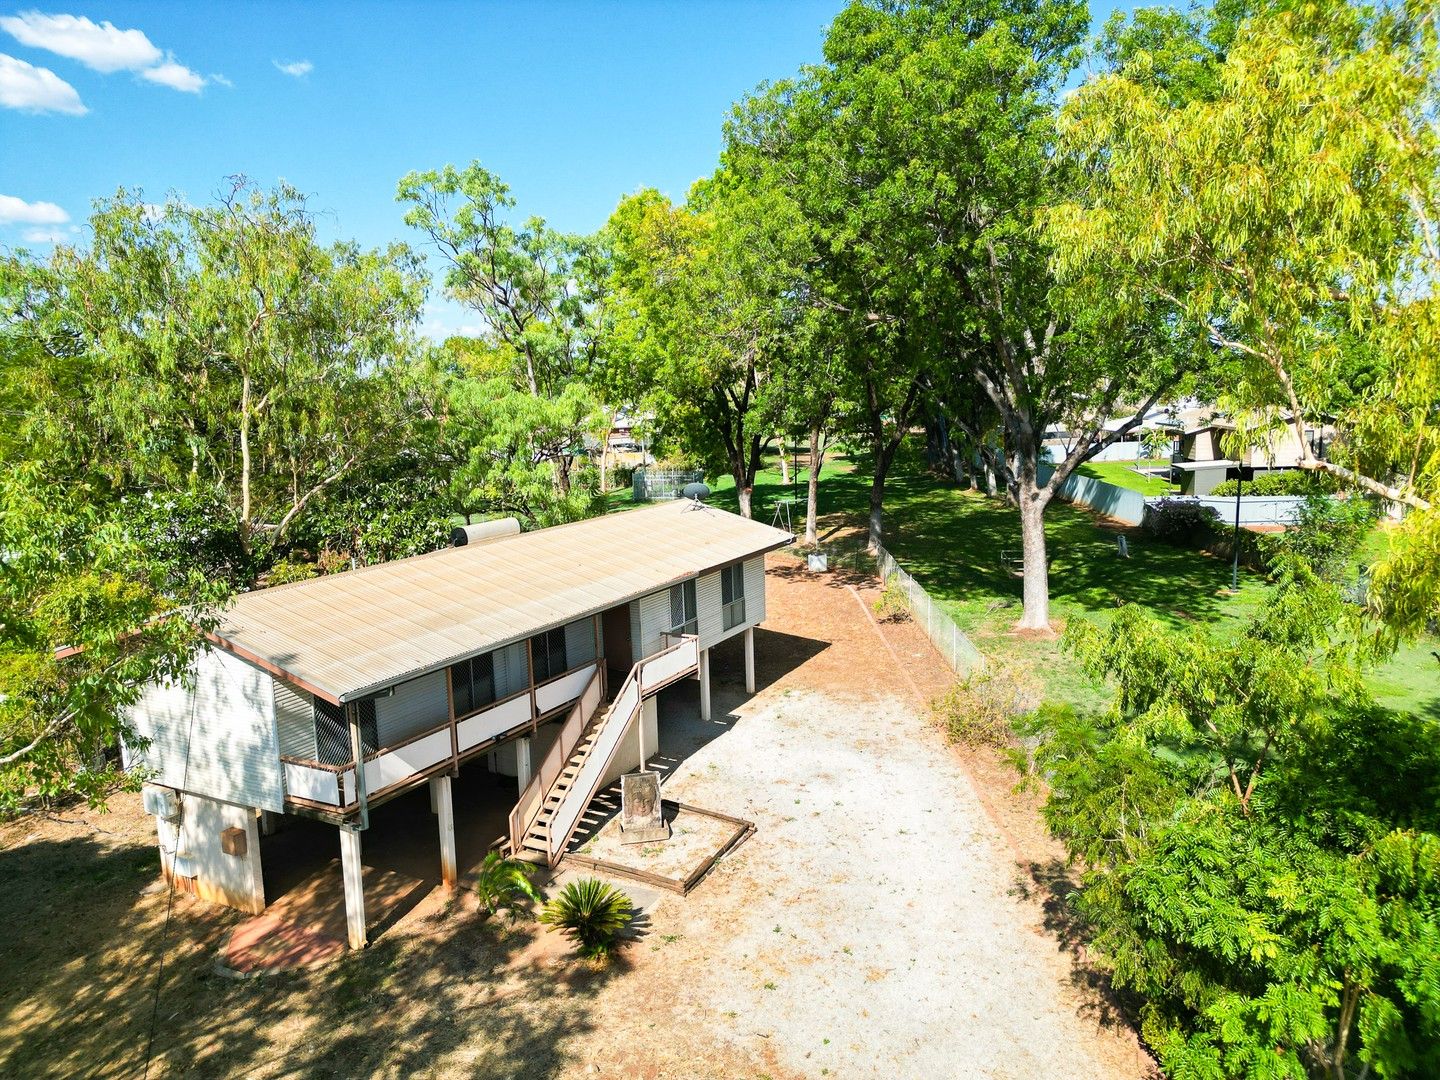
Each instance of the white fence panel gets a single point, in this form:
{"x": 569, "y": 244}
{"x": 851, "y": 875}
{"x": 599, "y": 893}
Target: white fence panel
{"x": 947, "y": 637}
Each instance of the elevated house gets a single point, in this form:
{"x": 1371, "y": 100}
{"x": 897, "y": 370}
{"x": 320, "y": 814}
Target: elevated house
{"x": 541, "y": 652}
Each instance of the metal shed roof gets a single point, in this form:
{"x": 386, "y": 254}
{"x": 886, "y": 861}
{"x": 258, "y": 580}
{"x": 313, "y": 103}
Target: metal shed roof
{"x": 351, "y": 634}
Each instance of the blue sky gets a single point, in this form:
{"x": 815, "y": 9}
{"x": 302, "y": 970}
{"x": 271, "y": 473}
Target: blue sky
{"x": 573, "y": 104}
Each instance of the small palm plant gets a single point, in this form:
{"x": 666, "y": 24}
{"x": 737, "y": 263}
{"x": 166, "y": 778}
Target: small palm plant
{"x": 502, "y": 882}
{"x": 591, "y": 914}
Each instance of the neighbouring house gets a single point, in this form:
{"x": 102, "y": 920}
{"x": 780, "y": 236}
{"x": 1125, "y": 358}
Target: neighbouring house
{"x": 1199, "y": 465}
{"x": 539, "y": 654}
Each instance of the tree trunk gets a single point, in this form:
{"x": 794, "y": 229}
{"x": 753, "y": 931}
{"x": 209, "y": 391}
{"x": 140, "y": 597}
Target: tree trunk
{"x": 1036, "y": 615}
{"x": 812, "y": 493}
{"x": 877, "y": 509}
{"x": 989, "y": 476}
{"x": 742, "y": 493}
{"x": 784, "y": 462}
{"x": 245, "y": 463}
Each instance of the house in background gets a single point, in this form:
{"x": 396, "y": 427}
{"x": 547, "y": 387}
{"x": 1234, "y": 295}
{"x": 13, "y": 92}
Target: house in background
{"x": 1199, "y": 465}
{"x": 541, "y": 652}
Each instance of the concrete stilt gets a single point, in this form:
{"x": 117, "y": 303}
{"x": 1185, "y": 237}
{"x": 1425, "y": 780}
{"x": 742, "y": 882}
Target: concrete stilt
{"x": 704, "y": 684}
{"x": 522, "y": 762}
{"x": 749, "y": 659}
{"x": 434, "y": 806}
{"x": 440, "y": 791}
{"x": 354, "y": 889}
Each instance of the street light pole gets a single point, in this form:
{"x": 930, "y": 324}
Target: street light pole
{"x": 1235, "y": 543}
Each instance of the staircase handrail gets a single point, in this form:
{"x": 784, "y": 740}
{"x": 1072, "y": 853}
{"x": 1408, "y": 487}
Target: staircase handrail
{"x": 634, "y": 682}
{"x": 532, "y": 799}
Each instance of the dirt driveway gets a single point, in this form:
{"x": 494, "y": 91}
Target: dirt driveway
{"x": 876, "y": 925}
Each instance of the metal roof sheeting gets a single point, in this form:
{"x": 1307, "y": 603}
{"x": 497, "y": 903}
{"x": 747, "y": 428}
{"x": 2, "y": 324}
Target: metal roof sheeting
{"x": 353, "y": 633}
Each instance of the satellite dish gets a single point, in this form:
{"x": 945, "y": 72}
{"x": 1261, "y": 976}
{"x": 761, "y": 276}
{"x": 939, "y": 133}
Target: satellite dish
{"x": 697, "y": 491}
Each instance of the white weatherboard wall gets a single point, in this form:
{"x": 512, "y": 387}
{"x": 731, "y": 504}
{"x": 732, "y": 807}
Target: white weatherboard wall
{"x": 754, "y": 591}
{"x": 650, "y": 615}
{"x": 654, "y": 622}
{"x": 235, "y": 749}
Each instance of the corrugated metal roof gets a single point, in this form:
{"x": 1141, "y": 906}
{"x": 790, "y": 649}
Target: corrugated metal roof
{"x": 350, "y": 634}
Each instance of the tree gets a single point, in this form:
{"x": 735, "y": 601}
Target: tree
{"x": 219, "y": 350}
{"x": 1287, "y": 216}
{"x": 920, "y": 155}
{"x": 525, "y": 393}
{"x": 89, "y": 616}
{"x": 698, "y": 323}
{"x": 1258, "y": 843}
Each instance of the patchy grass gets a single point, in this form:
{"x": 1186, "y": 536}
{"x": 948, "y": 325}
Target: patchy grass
{"x": 1126, "y": 475}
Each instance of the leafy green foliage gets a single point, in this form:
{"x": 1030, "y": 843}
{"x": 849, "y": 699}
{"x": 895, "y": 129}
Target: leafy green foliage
{"x": 1279, "y": 482}
{"x": 893, "y": 603}
{"x": 502, "y": 882}
{"x": 591, "y": 914}
{"x": 524, "y": 394}
{"x": 217, "y": 351}
{"x": 87, "y": 618}
{"x": 1179, "y": 521}
{"x": 1258, "y": 843}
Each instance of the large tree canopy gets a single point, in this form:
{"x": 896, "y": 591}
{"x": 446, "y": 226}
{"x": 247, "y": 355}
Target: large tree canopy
{"x": 917, "y": 158}
{"x": 217, "y": 348}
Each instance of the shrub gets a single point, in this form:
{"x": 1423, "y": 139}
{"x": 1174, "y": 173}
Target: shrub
{"x": 288, "y": 570}
{"x": 1325, "y": 534}
{"x": 1283, "y": 482}
{"x": 981, "y": 709}
{"x": 1179, "y": 520}
{"x": 893, "y": 604}
{"x": 591, "y": 914}
{"x": 504, "y": 883}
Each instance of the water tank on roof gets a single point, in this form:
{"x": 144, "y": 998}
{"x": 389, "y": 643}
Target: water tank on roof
{"x": 485, "y": 530}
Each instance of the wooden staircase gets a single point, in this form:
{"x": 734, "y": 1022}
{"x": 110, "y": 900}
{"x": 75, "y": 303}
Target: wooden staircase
{"x": 552, "y": 805}
{"x": 538, "y": 840}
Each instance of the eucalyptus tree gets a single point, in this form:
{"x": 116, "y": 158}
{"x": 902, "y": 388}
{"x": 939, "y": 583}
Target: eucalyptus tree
{"x": 526, "y": 393}
{"x": 217, "y": 349}
{"x": 919, "y": 155}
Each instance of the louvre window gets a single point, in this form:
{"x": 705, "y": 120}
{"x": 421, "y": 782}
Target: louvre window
{"x": 732, "y": 595}
{"x": 332, "y": 732}
{"x": 682, "y": 608}
{"x": 548, "y": 653}
{"x": 472, "y": 683}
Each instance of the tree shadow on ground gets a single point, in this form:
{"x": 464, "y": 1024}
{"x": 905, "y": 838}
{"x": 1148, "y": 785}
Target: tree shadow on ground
{"x": 448, "y": 993}
{"x": 1051, "y": 883}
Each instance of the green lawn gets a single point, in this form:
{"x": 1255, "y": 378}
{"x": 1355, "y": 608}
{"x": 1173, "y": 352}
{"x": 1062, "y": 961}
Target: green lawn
{"x": 957, "y": 544}
{"x": 1123, "y": 474}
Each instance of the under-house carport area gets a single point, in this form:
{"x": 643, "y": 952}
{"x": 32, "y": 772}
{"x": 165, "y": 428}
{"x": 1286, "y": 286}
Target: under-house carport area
{"x": 304, "y": 918}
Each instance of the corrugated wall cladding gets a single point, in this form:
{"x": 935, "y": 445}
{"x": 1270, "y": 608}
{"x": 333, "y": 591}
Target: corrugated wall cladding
{"x": 654, "y": 622}
{"x": 511, "y": 673}
{"x": 755, "y": 590}
{"x": 415, "y": 706}
{"x": 295, "y": 722}
{"x": 579, "y": 642}
{"x": 234, "y": 750}
{"x": 707, "y": 609}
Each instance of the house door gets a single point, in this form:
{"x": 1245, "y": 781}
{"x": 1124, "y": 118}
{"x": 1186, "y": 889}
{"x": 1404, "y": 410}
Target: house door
{"x": 619, "y": 656}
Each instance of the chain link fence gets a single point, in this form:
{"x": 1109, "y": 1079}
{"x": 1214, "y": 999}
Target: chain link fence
{"x": 649, "y": 484}
{"x": 957, "y": 649}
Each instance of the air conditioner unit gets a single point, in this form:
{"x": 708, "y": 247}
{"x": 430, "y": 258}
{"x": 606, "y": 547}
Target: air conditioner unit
{"x": 162, "y": 802}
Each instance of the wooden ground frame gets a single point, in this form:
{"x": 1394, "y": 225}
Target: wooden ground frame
{"x": 740, "y": 831}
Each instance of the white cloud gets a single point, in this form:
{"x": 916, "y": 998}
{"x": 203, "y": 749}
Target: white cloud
{"x": 16, "y": 211}
{"x": 176, "y": 76}
{"x": 295, "y": 68}
{"x": 46, "y": 236}
{"x": 36, "y": 89}
{"x": 221, "y": 80}
{"x": 103, "y": 47}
